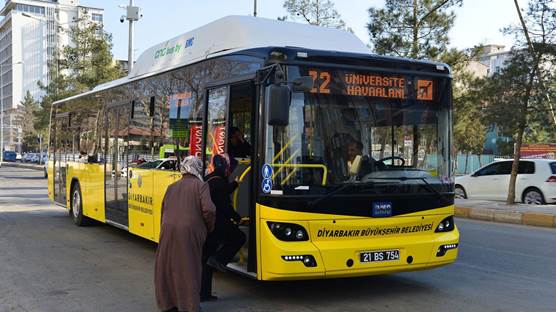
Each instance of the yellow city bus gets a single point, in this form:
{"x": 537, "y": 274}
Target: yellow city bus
{"x": 349, "y": 169}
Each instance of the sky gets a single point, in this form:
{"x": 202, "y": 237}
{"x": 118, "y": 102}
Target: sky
{"x": 477, "y": 21}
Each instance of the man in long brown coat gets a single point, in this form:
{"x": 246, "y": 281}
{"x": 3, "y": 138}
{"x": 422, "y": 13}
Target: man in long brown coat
{"x": 187, "y": 216}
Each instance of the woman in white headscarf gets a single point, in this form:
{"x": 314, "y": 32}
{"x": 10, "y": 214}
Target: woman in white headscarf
{"x": 188, "y": 215}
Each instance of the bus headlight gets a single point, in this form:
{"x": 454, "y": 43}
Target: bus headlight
{"x": 446, "y": 225}
{"x": 288, "y": 232}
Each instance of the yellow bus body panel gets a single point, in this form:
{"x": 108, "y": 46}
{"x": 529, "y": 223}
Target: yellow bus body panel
{"x": 334, "y": 240}
{"x": 162, "y": 179}
{"x": 140, "y": 203}
{"x": 144, "y": 201}
{"x": 91, "y": 181}
{"x": 145, "y": 195}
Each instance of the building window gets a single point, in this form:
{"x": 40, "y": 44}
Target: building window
{"x": 97, "y": 17}
{"x": 30, "y": 9}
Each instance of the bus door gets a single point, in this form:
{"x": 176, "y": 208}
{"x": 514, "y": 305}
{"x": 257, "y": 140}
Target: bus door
{"x": 115, "y": 167}
{"x": 230, "y": 129}
{"x": 63, "y": 147}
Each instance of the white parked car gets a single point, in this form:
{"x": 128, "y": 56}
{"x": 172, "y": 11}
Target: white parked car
{"x": 163, "y": 164}
{"x": 535, "y": 184}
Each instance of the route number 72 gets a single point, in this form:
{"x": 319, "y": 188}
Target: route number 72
{"x": 320, "y": 81}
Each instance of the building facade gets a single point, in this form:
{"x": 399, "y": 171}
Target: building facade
{"x": 31, "y": 32}
{"x": 494, "y": 57}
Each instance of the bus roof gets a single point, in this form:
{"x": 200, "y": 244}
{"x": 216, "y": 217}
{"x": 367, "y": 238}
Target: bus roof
{"x": 232, "y": 34}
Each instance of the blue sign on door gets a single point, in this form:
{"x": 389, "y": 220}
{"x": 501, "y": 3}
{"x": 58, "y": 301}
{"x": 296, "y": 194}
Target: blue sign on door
{"x": 267, "y": 171}
{"x": 266, "y": 185}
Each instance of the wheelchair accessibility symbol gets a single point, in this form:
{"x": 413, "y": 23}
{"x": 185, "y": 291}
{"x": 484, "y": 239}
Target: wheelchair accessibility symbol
{"x": 267, "y": 185}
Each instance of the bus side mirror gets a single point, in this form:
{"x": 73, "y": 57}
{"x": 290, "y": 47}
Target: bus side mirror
{"x": 303, "y": 84}
{"x": 278, "y": 99}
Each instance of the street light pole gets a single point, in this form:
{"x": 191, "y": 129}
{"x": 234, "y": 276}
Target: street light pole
{"x": 255, "y": 8}
{"x": 133, "y": 14}
{"x": 130, "y": 43}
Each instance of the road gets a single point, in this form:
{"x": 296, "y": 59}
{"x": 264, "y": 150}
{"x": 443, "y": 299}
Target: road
{"x": 48, "y": 264}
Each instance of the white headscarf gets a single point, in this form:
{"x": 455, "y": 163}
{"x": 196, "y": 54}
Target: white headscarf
{"x": 192, "y": 165}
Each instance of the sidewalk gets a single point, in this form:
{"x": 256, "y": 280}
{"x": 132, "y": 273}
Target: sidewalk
{"x": 498, "y": 211}
{"x": 23, "y": 165}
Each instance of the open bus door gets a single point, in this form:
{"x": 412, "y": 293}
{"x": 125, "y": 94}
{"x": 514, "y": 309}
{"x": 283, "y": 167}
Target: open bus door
{"x": 230, "y": 106}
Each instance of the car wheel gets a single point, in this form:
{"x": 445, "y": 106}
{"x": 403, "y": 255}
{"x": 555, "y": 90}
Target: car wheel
{"x": 76, "y": 209}
{"x": 533, "y": 196}
{"x": 459, "y": 192}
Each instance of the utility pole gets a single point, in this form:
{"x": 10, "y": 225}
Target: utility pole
{"x": 255, "y": 8}
{"x": 133, "y": 14}
{"x": 40, "y": 148}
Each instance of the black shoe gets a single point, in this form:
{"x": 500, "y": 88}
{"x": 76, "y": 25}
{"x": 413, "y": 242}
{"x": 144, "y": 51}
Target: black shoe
{"x": 208, "y": 298}
{"x": 215, "y": 264}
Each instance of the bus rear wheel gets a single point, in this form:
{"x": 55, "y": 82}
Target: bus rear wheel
{"x": 76, "y": 209}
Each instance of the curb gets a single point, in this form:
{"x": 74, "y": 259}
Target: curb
{"x": 502, "y": 216}
{"x": 26, "y": 166}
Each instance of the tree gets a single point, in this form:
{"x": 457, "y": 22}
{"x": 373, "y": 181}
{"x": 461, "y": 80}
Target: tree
{"x": 29, "y": 108}
{"x": 88, "y": 61}
{"x": 78, "y": 67}
{"x": 528, "y": 77}
{"x": 469, "y": 123}
{"x": 314, "y": 12}
{"x": 412, "y": 28}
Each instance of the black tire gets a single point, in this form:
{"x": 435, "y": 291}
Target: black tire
{"x": 533, "y": 196}
{"x": 459, "y": 192}
{"x": 76, "y": 206}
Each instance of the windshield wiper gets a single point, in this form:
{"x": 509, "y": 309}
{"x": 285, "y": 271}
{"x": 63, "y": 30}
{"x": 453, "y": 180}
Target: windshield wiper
{"x": 338, "y": 190}
{"x": 427, "y": 186}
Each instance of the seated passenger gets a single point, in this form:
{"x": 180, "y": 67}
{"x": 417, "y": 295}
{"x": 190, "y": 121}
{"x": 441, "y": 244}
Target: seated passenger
{"x": 238, "y": 147}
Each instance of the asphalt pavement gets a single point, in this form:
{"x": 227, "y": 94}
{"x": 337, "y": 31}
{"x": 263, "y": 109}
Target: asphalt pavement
{"x": 49, "y": 264}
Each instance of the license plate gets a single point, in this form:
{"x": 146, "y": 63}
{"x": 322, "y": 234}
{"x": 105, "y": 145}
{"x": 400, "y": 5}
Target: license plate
{"x": 378, "y": 256}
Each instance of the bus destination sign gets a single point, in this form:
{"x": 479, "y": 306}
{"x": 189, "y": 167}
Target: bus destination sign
{"x": 368, "y": 84}
{"x": 374, "y": 85}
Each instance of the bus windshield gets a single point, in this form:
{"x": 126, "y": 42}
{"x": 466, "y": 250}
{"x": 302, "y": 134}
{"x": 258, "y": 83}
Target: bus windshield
{"x": 365, "y": 128}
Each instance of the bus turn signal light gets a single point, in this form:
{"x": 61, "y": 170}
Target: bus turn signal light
{"x": 308, "y": 260}
{"x": 288, "y": 232}
{"x": 442, "y": 249}
{"x": 446, "y": 225}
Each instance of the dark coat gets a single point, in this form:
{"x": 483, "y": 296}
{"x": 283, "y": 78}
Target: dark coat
{"x": 220, "y": 191}
{"x": 188, "y": 214}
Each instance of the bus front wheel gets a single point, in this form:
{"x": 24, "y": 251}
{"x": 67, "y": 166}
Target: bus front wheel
{"x": 76, "y": 209}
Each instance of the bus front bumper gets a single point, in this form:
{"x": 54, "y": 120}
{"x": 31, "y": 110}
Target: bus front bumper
{"x": 334, "y": 257}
